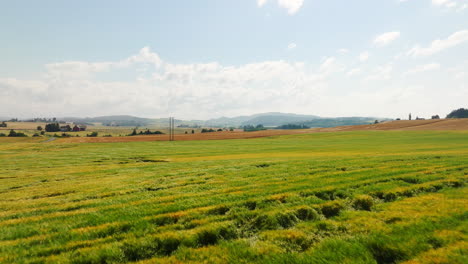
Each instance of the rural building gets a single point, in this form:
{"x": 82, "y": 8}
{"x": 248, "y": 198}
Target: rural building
{"x": 76, "y": 128}
{"x": 82, "y": 127}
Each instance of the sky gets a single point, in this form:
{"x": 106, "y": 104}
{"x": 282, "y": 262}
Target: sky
{"x": 211, "y": 58}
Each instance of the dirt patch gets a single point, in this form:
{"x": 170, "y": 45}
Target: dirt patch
{"x": 185, "y": 137}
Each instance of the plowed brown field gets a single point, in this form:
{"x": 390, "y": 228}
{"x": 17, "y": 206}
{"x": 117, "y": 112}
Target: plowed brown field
{"x": 443, "y": 124}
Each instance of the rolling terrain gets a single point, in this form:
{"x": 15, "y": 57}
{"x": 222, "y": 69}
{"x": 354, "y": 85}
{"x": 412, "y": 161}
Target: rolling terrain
{"x": 347, "y": 197}
{"x": 414, "y": 125}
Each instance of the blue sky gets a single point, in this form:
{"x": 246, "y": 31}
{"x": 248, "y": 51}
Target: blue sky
{"x": 212, "y": 58}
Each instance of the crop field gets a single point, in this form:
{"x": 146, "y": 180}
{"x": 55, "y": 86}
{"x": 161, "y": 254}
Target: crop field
{"x": 341, "y": 197}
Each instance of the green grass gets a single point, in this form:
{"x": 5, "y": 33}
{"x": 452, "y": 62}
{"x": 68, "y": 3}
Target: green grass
{"x": 358, "y": 197}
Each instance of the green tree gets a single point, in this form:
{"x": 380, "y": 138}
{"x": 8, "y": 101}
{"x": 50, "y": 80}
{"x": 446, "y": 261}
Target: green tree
{"x": 52, "y": 127}
{"x": 12, "y": 133}
{"x": 459, "y": 113}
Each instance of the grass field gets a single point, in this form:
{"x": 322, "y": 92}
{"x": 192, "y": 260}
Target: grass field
{"x": 30, "y": 128}
{"x": 345, "y": 197}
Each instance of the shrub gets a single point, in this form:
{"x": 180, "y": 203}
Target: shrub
{"x": 2, "y": 135}
{"x": 363, "y": 202}
{"x": 16, "y": 134}
{"x": 93, "y": 134}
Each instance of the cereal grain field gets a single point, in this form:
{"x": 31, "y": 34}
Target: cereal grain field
{"x": 341, "y": 197}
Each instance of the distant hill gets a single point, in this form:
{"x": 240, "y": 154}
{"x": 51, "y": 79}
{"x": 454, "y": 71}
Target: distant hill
{"x": 272, "y": 119}
{"x": 118, "y": 120}
{"x": 280, "y": 119}
{"x": 340, "y": 121}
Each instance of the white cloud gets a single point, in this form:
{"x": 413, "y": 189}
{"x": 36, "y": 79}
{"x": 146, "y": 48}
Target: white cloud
{"x": 145, "y": 85}
{"x": 458, "y": 6}
{"x": 463, "y": 7}
{"x": 343, "y": 51}
{"x": 292, "y": 46}
{"x": 291, "y": 5}
{"x": 439, "y": 45}
{"x": 386, "y": 38}
{"x": 364, "y": 56}
{"x": 145, "y": 56}
{"x": 354, "y": 72}
{"x": 330, "y": 66}
{"x": 261, "y": 2}
{"x": 423, "y": 68}
{"x": 447, "y": 3}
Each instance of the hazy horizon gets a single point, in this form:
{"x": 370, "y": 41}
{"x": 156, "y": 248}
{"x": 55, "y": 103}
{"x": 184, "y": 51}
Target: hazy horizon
{"x": 223, "y": 58}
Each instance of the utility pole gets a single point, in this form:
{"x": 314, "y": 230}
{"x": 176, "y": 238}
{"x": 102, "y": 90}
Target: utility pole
{"x": 171, "y": 129}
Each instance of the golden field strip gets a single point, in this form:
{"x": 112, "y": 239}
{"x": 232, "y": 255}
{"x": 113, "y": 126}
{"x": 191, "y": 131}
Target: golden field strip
{"x": 339, "y": 197}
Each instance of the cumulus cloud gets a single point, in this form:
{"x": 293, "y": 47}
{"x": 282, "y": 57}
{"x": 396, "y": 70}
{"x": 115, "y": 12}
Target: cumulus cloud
{"x": 292, "y": 46}
{"x": 330, "y": 66}
{"x": 292, "y": 6}
{"x": 343, "y": 51}
{"x": 439, "y": 45}
{"x": 458, "y": 6}
{"x": 145, "y": 85}
{"x": 447, "y": 3}
{"x": 386, "y": 38}
{"x": 354, "y": 72}
{"x": 364, "y": 56}
{"x": 261, "y": 2}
